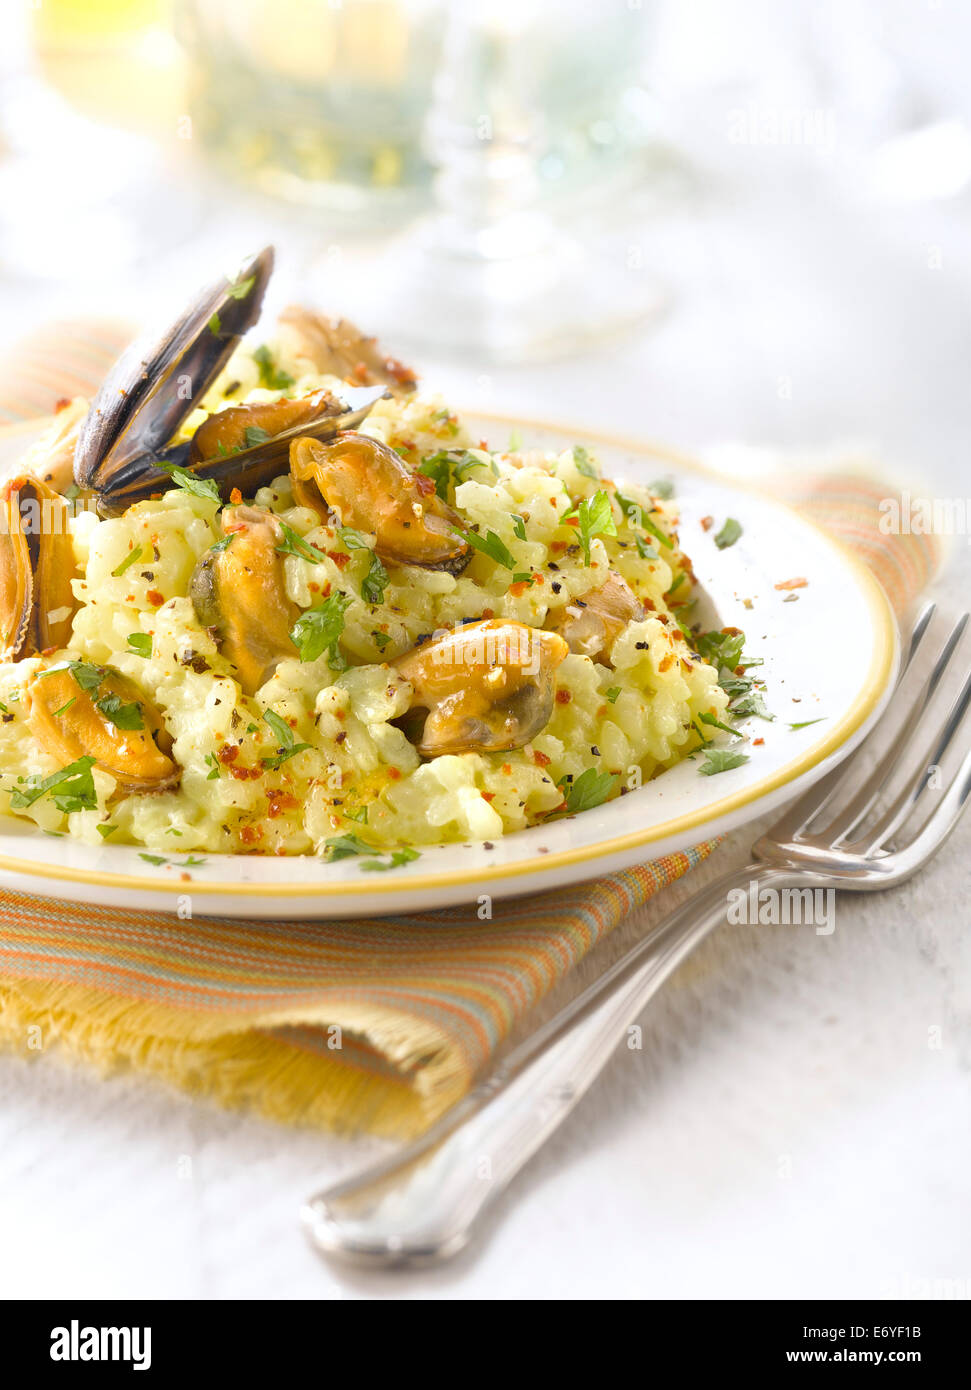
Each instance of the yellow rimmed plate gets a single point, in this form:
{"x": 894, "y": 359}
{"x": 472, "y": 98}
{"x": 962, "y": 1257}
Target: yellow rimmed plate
{"x": 829, "y": 656}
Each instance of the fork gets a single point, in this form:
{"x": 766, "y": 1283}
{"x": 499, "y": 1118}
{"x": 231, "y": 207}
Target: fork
{"x": 423, "y": 1203}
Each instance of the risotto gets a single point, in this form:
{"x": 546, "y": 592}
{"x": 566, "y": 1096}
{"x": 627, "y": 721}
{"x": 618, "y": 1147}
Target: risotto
{"x": 365, "y": 702}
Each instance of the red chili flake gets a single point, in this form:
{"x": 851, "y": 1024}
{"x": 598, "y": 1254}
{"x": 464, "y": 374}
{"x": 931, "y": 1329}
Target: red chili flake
{"x": 540, "y": 759}
{"x": 61, "y": 404}
{"x": 707, "y": 522}
{"x": 488, "y": 613}
{"x": 246, "y": 774}
{"x": 756, "y": 742}
{"x": 563, "y": 697}
{"x": 155, "y": 598}
{"x": 793, "y": 584}
{"x": 484, "y": 444}
{"x": 424, "y": 484}
{"x": 506, "y": 769}
{"x": 339, "y": 558}
{"x": 488, "y": 796}
{"x": 232, "y": 528}
{"x": 235, "y": 497}
{"x": 558, "y": 547}
{"x": 278, "y": 802}
{"x": 250, "y": 834}
{"x": 571, "y": 521}
{"x": 395, "y": 774}
{"x": 228, "y": 753}
{"x": 520, "y": 587}
{"x": 666, "y": 662}
{"x": 48, "y": 651}
{"x": 313, "y": 586}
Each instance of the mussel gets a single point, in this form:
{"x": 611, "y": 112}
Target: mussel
{"x": 371, "y": 489}
{"x": 238, "y": 590}
{"x": 37, "y": 603}
{"x": 124, "y": 450}
{"x": 78, "y": 710}
{"x": 486, "y": 687}
{"x": 592, "y": 624}
{"x": 241, "y": 427}
{"x": 337, "y": 348}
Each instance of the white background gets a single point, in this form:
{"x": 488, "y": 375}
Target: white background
{"x": 788, "y": 1129}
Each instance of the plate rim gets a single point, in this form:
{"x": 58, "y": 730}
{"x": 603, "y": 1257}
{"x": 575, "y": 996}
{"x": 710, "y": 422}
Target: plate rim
{"x": 867, "y": 701}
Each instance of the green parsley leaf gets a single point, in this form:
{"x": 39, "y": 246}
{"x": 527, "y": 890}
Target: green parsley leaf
{"x": 381, "y": 640}
{"x": 189, "y": 482}
{"x": 288, "y": 749}
{"x": 398, "y": 857}
{"x": 294, "y": 544}
{"x": 88, "y": 677}
{"x": 612, "y": 694}
{"x": 519, "y": 525}
{"x": 65, "y": 708}
{"x": 591, "y": 788}
{"x": 140, "y": 643}
{"x": 806, "y": 722}
{"x": 716, "y": 723}
{"x": 375, "y": 582}
{"x": 223, "y": 544}
{"x": 213, "y": 763}
{"x": 253, "y": 435}
{"x": 157, "y": 859}
{"x": 662, "y": 487}
{"x": 596, "y": 518}
{"x": 677, "y": 584}
{"x": 437, "y": 467}
{"x": 318, "y": 630}
{"x": 270, "y": 374}
{"x": 729, "y": 534}
{"x": 583, "y": 464}
{"x": 72, "y": 788}
{"x": 241, "y": 288}
{"x": 360, "y": 815}
{"x": 121, "y": 715}
{"x": 490, "y": 544}
{"x": 721, "y": 760}
{"x": 344, "y": 846}
{"x": 215, "y": 324}
{"x": 129, "y": 560}
{"x": 645, "y": 551}
{"x": 105, "y": 830}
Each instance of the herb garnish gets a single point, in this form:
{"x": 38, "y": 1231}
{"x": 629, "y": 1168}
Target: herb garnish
{"x": 72, "y": 788}
{"x": 140, "y": 643}
{"x": 189, "y": 482}
{"x": 728, "y": 534}
{"x": 287, "y": 747}
{"x": 318, "y": 630}
{"x": 721, "y": 760}
{"x": 270, "y": 374}
{"x": 294, "y": 544}
{"x": 591, "y": 788}
{"x": 121, "y": 715}
{"x": 129, "y": 560}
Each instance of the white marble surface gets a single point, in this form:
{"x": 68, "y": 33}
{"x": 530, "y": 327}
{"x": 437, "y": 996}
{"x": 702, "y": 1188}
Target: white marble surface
{"x": 787, "y": 1129}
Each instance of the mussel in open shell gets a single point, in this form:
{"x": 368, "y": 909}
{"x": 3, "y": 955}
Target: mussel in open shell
{"x": 125, "y": 451}
{"x": 37, "y": 603}
{"x": 337, "y": 348}
{"x": 486, "y": 687}
{"x": 373, "y": 490}
{"x": 239, "y": 592}
{"x": 77, "y": 710}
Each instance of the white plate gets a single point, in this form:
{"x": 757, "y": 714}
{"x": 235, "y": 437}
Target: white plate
{"x": 830, "y": 656}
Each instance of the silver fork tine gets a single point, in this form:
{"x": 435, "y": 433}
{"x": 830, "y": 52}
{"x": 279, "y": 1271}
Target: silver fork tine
{"x": 895, "y": 815}
{"x": 938, "y": 825}
{"x": 804, "y": 811}
{"x": 851, "y": 815}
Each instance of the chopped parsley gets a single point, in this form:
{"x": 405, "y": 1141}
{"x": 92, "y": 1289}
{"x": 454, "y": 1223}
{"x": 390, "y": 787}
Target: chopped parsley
{"x": 728, "y": 534}
{"x": 376, "y": 580}
{"x": 215, "y": 324}
{"x": 319, "y": 629}
{"x": 721, "y": 760}
{"x": 140, "y": 643}
{"x": 239, "y": 289}
{"x": 591, "y": 788}
{"x": 253, "y": 435}
{"x": 806, "y": 722}
{"x": 595, "y": 517}
{"x": 157, "y": 859}
{"x": 270, "y": 374}
{"x": 398, "y": 857}
{"x": 451, "y": 467}
{"x": 287, "y": 747}
{"x": 129, "y": 560}
{"x": 294, "y": 544}
{"x": 519, "y": 525}
{"x": 121, "y": 715}
{"x": 189, "y": 482}
{"x": 381, "y": 640}
{"x": 582, "y": 463}
{"x": 490, "y": 544}
{"x": 71, "y": 789}
{"x": 612, "y": 694}
{"x": 213, "y": 764}
{"x": 716, "y": 723}
{"x": 105, "y": 830}
{"x": 344, "y": 846}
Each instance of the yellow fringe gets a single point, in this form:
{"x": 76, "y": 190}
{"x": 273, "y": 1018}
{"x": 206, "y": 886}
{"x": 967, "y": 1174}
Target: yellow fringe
{"x": 240, "y": 1063}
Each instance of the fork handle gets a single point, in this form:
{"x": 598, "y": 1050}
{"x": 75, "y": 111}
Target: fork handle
{"x": 422, "y": 1203}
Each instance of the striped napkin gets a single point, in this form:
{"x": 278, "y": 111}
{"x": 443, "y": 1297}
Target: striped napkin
{"x": 376, "y": 1024}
